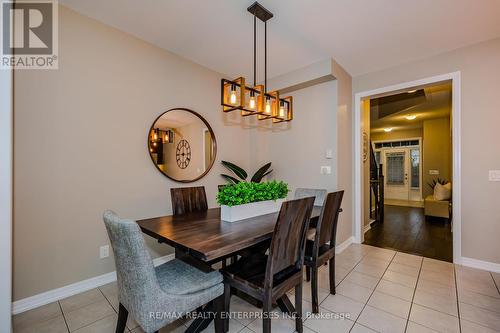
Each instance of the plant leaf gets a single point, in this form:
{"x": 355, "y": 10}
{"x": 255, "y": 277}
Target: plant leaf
{"x": 257, "y": 177}
{"x": 242, "y": 174}
{"x": 231, "y": 179}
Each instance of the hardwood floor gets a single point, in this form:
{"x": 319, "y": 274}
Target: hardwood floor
{"x": 406, "y": 229}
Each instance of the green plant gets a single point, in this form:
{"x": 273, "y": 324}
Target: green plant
{"x": 437, "y": 181}
{"x": 243, "y": 175}
{"x": 246, "y": 192}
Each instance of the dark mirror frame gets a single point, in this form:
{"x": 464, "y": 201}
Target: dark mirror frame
{"x": 212, "y": 134}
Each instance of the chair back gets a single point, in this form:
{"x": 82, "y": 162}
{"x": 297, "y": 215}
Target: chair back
{"x": 326, "y": 229}
{"x": 286, "y": 253}
{"x": 188, "y": 200}
{"x": 318, "y": 194}
{"x": 135, "y": 272}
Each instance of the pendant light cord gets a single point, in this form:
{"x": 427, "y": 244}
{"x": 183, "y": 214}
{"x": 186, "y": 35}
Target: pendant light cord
{"x": 254, "y": 49}
{"x": 265, "y": 56}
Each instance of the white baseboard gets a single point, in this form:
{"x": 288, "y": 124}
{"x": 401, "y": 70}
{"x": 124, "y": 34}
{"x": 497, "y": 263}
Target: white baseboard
{"x": 341, "y": 247}
{"x": 50, "y": 296}
{"x": 479, "y": 264}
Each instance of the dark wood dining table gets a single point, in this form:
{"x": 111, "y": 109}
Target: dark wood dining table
{"x": 202, "y": 239}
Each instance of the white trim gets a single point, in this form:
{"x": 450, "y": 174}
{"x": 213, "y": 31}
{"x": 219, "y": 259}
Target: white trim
{"x": 6, "y": 153}
{"x": 367, "y": 227}
{"x": 480, "y": 264}
{"x": 456, "y": 116}
{"x": 53, "y": 295}
{"x": 344, "y": 245}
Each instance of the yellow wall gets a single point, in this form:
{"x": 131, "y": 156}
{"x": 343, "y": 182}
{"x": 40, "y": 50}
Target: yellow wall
{"x": 436, "y": 151}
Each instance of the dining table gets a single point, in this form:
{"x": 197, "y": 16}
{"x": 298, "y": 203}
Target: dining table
{"x": 203, "y": 239}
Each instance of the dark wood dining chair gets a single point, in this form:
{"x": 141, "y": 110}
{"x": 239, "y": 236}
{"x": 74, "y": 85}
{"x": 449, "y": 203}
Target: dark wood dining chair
{"x": 188, "y": 200}
{"x": 322, "y": 249}
{"x": 267, "y": 278}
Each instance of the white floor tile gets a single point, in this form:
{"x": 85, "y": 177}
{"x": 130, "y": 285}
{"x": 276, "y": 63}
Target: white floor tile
{"x": 328, "y": 325}
{"x": 404, "y": 279}
{"x": 391, "y": 304}
{"x": 354, "y": 291}
{"x": 470, "y": 327}
{"x": 80, "y": 300}
{"x": 342, "y": 304}
{"x": 407, "y": 259}
{"x": 35, "y": 316}
{"x": 480, "y": 316}
{"x": 417, "y": 328}
{"x": 381, "y": 321}
{"x": 436, "y": 302}
{"x": 361, "y": 279}
{"x": 436, "y": 320}
{"x": 395, "y": 289}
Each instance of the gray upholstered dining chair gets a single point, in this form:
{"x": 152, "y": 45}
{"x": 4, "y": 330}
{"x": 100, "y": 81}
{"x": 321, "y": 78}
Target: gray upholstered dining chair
{"x": 318, "y": 194}
{"x": 145, "y": 291}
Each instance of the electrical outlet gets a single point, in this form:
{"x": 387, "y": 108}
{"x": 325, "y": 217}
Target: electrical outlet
{"x": 494, "y": 176}
{"x": 329, "y": 154}
{"x": 326, "y": 170}
{"x": 104, "y": 251}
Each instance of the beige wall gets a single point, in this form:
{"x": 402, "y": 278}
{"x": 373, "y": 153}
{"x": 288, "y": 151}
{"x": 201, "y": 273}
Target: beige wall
{"x": 436, "y": 152}
{"x": 480, "y": 75}
{"x": 80, "y": 148}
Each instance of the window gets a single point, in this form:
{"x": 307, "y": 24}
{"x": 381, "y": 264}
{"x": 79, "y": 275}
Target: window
{"x": 395, "y": 168}
{"x": 415, "y": 167}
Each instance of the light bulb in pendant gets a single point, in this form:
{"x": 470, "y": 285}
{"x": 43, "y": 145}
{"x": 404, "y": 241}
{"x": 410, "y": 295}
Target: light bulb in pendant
{"x": 232, "y": 96}
{"x": 251, "y": 102}
{"x": 282, "y": 110}
{"x": 155, "y": 136}
{"x": 268, "y": 105}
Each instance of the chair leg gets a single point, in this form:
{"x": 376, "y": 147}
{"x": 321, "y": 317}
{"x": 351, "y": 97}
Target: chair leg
{"x": 220, "y": 310}
{"x": 298, "y": 308}
{"x": 227, "y": 301}
{"x": 308, "y": 273}
{"x": 314, "y": 289}
{"x": 122, "y": 319}
{"x": 266, "y": 313}
{"x": 331, "y": 269}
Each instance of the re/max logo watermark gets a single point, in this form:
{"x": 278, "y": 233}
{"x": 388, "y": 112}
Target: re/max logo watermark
{"x": 29, "y": 35}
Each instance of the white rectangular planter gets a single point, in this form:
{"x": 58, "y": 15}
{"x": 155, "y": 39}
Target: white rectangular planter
{"x": 246, "y": 211}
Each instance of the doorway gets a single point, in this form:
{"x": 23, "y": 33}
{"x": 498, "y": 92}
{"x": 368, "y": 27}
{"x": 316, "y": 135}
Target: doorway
{"x": 404, "y": 177}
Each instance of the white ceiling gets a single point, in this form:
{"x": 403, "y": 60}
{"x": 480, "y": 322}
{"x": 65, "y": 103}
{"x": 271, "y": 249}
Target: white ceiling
{"x": 362, "y": 35}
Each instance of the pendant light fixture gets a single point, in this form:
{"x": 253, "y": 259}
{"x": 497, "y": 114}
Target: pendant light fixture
{"x": 256, "y": 100}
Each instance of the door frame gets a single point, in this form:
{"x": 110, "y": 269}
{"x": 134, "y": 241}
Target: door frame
{"x": 6, "y": 174}
{"x": 455, "y": 78}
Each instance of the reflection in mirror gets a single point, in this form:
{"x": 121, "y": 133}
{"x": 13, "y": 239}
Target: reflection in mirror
{"x": 182, "y": 145}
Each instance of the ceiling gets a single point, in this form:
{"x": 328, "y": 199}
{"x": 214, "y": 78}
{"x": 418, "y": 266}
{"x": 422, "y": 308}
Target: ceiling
{"x": 425, "y": 103}
{"x": 362, "y": 35}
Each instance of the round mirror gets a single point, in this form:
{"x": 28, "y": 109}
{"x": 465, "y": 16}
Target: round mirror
{"x": 182, "y": 145}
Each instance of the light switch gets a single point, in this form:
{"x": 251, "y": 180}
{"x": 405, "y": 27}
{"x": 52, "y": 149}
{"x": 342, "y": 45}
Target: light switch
{"x": 433, "y": 172}
{"x": 329, "y": 154}
{"x": 326, "y": 170}
{"x": 494, "y": 176}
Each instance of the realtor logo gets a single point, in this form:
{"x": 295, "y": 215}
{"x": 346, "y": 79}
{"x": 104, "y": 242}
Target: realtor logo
{"x": 29, "y": 35}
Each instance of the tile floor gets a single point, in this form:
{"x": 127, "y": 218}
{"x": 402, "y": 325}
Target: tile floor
{"x": 379, "y": 290}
